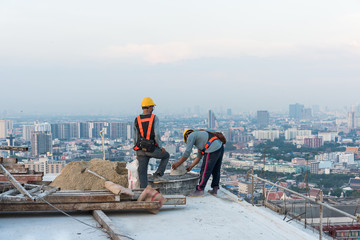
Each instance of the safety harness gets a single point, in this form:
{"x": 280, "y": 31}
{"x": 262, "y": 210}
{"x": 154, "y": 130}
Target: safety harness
{"x": 141, "y": 129}
{"x": 207, "y": 145}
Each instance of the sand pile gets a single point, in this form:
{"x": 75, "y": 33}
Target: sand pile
{"x": 73, "y": 176}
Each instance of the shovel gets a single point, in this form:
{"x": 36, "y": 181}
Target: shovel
{"x": 112, "y": 187}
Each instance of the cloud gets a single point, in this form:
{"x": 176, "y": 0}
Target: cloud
{"x": 151, "y": 53}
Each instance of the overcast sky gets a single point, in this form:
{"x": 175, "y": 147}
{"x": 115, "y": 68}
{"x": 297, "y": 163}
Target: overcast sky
{"x": 103, "y": 57}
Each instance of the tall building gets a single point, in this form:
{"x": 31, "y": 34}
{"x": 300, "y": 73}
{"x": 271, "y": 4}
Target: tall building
{"x": 119, "y": 130}
{"x": 84, "y": 130}
{"x": 42, "y": 127}
{"x": 6, "y": 127}
{"x": 27, "y": 130}
{"x": 99, "y": 126}
{"x": 296, "y": 111}
{"x": 351, "y": 120}
{"x": 262, "y": 119}
{"x": 41, "y": 143}
{"x": 306, "y": 114}
{"x": 212, "y": 122}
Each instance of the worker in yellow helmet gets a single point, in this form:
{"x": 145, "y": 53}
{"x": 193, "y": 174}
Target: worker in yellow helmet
{"x": 148, "y": 143}
{"x": 210, "y": 147}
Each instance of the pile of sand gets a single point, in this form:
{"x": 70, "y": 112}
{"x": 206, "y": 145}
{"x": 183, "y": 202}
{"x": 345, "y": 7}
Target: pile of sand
{"x": 73, "y": 176}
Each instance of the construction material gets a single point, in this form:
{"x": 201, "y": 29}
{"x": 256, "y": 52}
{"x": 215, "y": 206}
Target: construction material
{"x": 112, "y": 187}
{"x": 183, "y": 185}
{"x": 150, "y": 194}
{"x": 179, "y": 171}
{"x": 8, "y": 160}
{"x": 106, "y": 223}
{"x": 29, "y": 192}
{"x": 73, "y": 177}
{"x": 16, "y": 184}
{"x": 37, "y": 206}
{"x": 24, "y": 178}
{"x": 10, "y": 148}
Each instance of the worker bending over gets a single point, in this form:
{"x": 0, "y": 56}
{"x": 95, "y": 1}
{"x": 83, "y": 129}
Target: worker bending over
{"x": 147, "y": 142}
{"x": 211, "y": 148}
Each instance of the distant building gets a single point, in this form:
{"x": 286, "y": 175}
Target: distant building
{"x": 306, "y": 114}
{"x": 346, "y": 157}
{"x": 229, "y": 112}
{"x": 296, "y": 111}
{"x": 212, "y": 122}
{"x": 119, "y": 130}
{"x": 262, "y": 119}
{"x": 41, "y": 143}
{"x": 293, "y": 133}
{"x": 351, "y": 121}
{"x": 354, "y": 183}
{"x": 6, "y": 127}
{"x": 314, "y": 167}
{"x": 314, "y": 142}
{"x": 266, "y": 134}
{"x": 46, "y": 166}
{"x": 27, "y": 130}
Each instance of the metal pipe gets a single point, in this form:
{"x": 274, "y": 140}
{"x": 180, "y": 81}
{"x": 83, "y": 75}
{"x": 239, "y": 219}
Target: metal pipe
{"x": 321, "y": 216}
{"x": 356, "y": 218}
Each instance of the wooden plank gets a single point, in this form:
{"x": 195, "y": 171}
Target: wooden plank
{"x": 16, "y": 168}
{"x": 16, "y": 184}
{"x": 24, "y": 178}
{"x": 8, "y": 160}
{"x": 37, "y": 206}
{"x": 105, "y": 222}
{"x": 59, "y": 197}
{"x": 175, "y": 200}
{"x": 24, "y": 149}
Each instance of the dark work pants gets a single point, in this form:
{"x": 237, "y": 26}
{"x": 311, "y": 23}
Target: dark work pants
{"x": 144, "y": 157}
{"x": 211, "y": 165}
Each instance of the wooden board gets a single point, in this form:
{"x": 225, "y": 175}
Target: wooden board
{"x": 105, "y": 222}
{"x": 11, "y": 148}
{"x": 8, "y": 160}
{"x": 34, "y": 206}
{"x": 23, "y": 178}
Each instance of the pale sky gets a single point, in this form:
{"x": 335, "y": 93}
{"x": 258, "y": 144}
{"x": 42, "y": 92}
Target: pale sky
{"x": 104, "y": 56}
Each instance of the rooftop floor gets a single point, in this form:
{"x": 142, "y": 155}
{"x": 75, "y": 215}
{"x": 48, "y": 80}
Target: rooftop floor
{"x": 208, "y": 217}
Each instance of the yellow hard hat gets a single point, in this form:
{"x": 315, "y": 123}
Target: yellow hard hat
{"x": 147, "y": 102}
{"x": 185, "y": 132}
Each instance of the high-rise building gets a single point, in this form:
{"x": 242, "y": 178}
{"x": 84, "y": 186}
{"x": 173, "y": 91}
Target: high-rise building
{"x": 229, "y": 112}
{"x": 41, "y": 143}
{"x": 27, "y": 131}
{"x": 99, "y": 126}
{"x": 84, "y": 130}
{"x": 119, "y": 130}
{"x": 212, "y": 122}
{"x": 351, "y": 120}
{"x": 42, "y": 127}
{"x": 262, "y": 119}
{"x": 306, "y": 114}
{"x": 6, "y": 127}
{"x": 296, "y": 111}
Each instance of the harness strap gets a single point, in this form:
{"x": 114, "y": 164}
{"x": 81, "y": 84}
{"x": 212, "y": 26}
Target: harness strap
{"x": 140, "y": 126}
{"x": 207, "y": 145}
{"x": 150, "y": 126}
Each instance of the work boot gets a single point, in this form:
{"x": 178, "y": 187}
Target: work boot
{"x": 214, "y": 191}
{"x": 197, "y": 193}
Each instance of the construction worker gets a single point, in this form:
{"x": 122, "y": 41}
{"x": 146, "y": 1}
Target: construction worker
{"x": 211, "y": 148}
{"x": 147, "y": 142}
